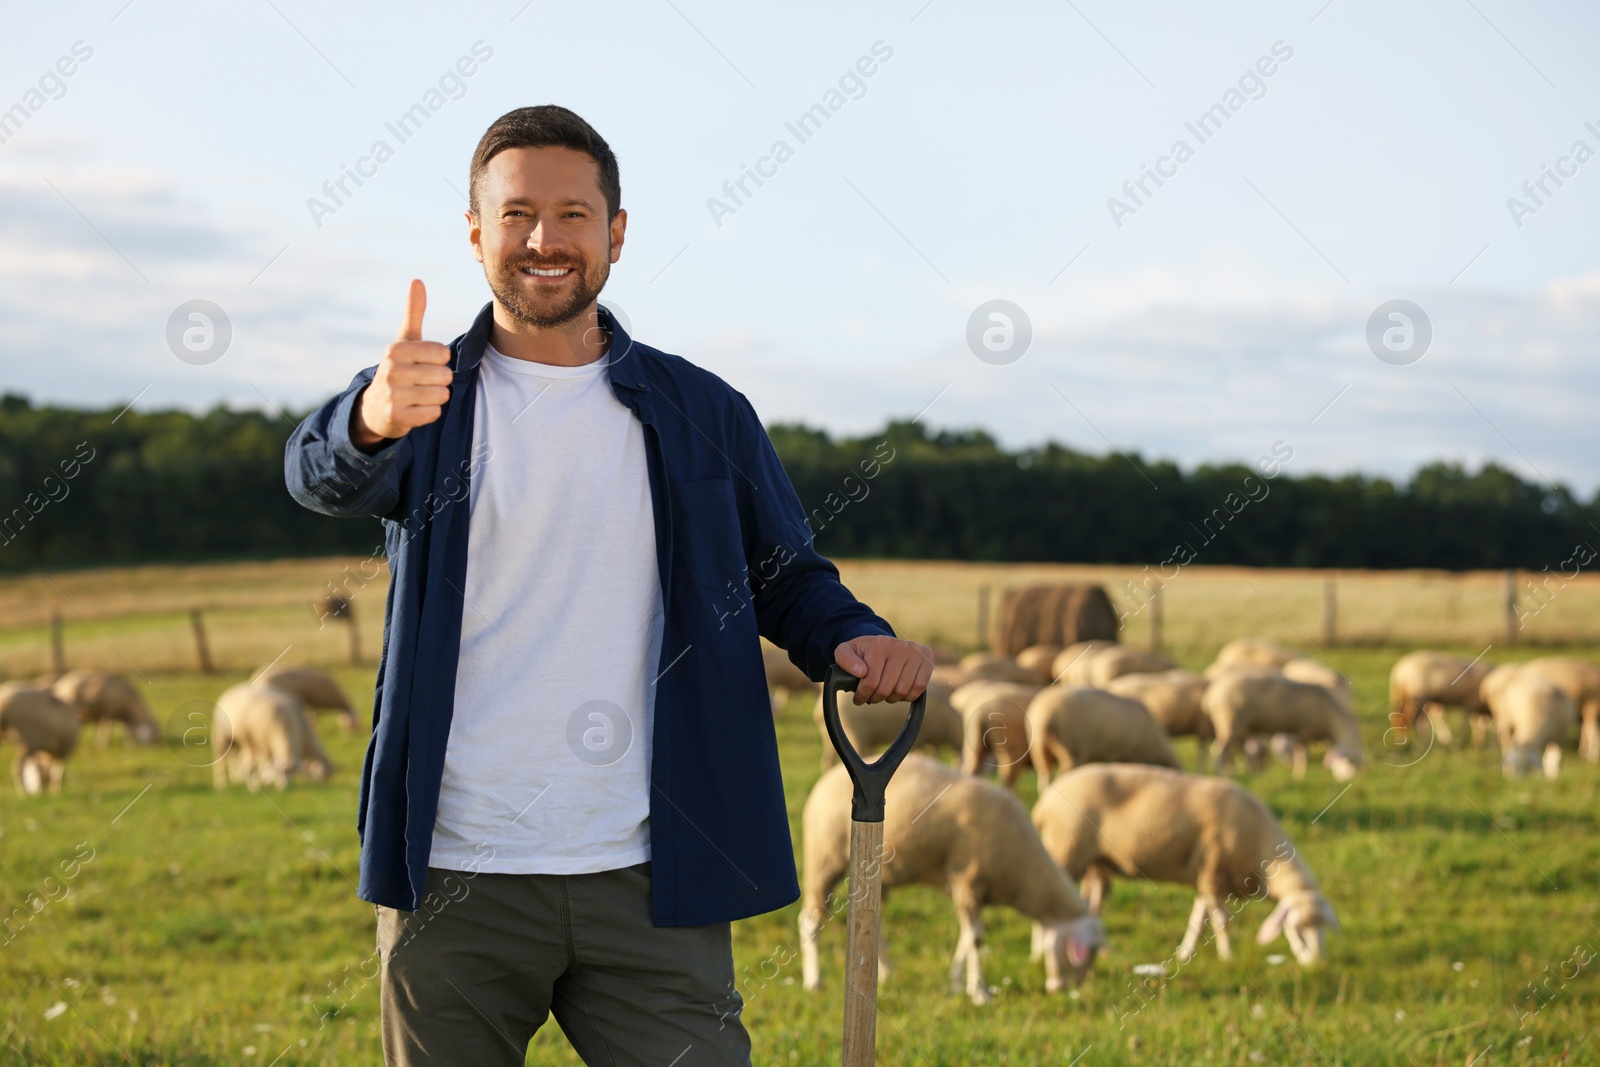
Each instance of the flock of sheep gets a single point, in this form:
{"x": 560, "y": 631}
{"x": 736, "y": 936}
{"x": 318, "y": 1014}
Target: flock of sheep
{"x": 260, "y": 731}
{"x": 1095, "y": 721}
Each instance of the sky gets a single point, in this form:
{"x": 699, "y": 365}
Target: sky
{"x": 1355, "y": 154}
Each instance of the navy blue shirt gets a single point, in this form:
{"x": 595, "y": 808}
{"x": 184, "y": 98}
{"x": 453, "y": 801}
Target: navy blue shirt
{"x": 735, "y": 559}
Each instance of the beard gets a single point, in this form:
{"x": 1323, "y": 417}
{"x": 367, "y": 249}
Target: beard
{"x": 553, "y": 309}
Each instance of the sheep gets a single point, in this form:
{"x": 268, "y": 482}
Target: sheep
{"x": 1532, "y": 715}
{"x": 1073, "y": 661}
{"x": 1071, "y": 725}
{"x": 1580, "y": 681}
{"x": 261, "y": 733}
{"x": 1108, "y": 663}
{"x": 1426, "y": 682}
{"x": 1249, "y": 652}
{"x": 45, "y": 729}
{"x": 784, "y": 679}
{"x": 106, "y": 698}
{"x": 1168, "y": 826}
{"x": 1245, "y": 703}
{"x": 994, "y": 726}
{"x": 962, "y": 835}
{"x": 873, "y": 727}
{"x": 313, "y": 688}
{"x": 1038, "y": 661}
{"x": 1305, "y": 669}
{"x": 985, "y": 666}
{"x": 1173, "y": 698}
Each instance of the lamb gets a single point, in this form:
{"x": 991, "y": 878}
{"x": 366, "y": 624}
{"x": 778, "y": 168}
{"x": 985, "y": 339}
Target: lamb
{"x": 1173, "y": 698}
{"x": 313, "y": 688}
{"x": 1242, "y": 704}
{"x": 1249, "y": 652}
{"x": 261, "y": 733}
{"x": 1168, "y": 826}
{"x": 1108, "y": 663}
{"x": 784, "y": 679}
{"x": 1039, "y": 660}
{"x": 962, "y": 835}
{"x": 985, "y": 666}
{"x": 106, "y": 698}
{"x": 994, "y": 726}
{"x": 1072, "y": 725}
{"x": 1073, "y": 661}
{"x": 873, "y": 727}
{"x": 1580, "y": 681}
{"x": 1426, "y": 682}
{"x": 1532, "y": 715}
{"x": 45, "y": 729}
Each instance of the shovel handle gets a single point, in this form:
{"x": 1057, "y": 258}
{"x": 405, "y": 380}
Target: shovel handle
{"x": 870, "y": 779}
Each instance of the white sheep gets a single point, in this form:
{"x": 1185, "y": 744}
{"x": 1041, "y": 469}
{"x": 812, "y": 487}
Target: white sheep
{"x": 1137, "y": 821}
{"x": 873, "y": 727}
{"x": 1107, "y": 664}
{"x": 967, "y": 837}
{"x": 1038, "y": 661}
{"x": 986, "y": 666}
{"x": 262, "y": 734}
{"x": 104, "y": 699}
{"x": 1426, "y": 682}
{"x": 45, "y": 730}
{"x": 1580, "y": 681}
{"x": 1173, "y": 698}
{"x": 315, "y": 689}
{"x": 1071, "y": 664}
{"x": 1249, "y": 652}
{"x": 1072, "y": 725}
{"x": 994, "y": 723}
{"x": 784, "y": 679}
{"x": 1532, "y": 715}
{"x": 1244, "y": 704}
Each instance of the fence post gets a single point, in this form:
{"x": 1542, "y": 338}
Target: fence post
{"x": 1330, "y": 613}
{"x": 1155, "y": 619}
{"x": 198, "y": 622}
{"x": 983, "y": 616}
{"x": 1512, "y": 624}
{"x": 58, "y": 645}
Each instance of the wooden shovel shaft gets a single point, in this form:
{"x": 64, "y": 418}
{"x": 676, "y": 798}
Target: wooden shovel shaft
{"x": 861, "y": 944}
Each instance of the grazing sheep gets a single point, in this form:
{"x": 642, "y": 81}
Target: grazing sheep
{"x": 262, "y": 734}
{"x": 966, "y": 837}
{"x": 1038, "y": 660}
{"x": 1532, "y": 715}
{"x": 1167, "y": 826}
{"x": 1580, "y": 681}
{"x": 1242, "y": 704}
{"x": 1425, "y": 683}
{"x": 1305, "y": 669}
{"x": 313, "y": 688}
{"x": 984, "y": 666}
{"x": 873, "y": 727}
{"x": 45, "y": 729}
{"x": 1071, "y": 665}
{"x": 1173, "y": 698}
{"x": 784, "y": 679}
{"x": 1108, "y": 663}
{"x": 1249, "y": 652}
{"x": 994, "y": 719}
{"x": 104, "y": 699}
{"x": 1072, "y": 725}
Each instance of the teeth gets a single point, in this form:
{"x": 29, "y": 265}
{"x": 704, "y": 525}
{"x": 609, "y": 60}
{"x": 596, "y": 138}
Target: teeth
{"x": 554, "y": 272}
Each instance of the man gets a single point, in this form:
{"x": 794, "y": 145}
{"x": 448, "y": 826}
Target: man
{"x": 572, "y": 786}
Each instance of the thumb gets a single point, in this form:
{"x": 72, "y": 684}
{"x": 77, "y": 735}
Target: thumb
{"x": 848, "y": 658}
{"x": 416, "y": 304}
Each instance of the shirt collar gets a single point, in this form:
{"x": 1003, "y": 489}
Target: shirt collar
{"x": 625, "y": 367}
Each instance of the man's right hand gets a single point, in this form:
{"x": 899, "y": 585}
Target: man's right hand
{"x": 411, "y": 385}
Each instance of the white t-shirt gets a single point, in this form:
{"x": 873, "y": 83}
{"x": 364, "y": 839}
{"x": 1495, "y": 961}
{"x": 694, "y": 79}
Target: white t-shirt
{"x": 548, "y": 760}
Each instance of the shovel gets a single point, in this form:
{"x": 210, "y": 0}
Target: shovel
{"x": 865, "y": 917}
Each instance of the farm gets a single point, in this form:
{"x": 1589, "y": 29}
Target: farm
{"x": 154, "y": 919}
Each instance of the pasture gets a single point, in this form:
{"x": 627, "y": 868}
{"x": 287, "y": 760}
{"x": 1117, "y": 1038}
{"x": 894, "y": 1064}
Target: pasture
{"x": 201, "y": 927}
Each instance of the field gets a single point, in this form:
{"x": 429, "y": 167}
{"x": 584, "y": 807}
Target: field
{"x": 206, "y": 928}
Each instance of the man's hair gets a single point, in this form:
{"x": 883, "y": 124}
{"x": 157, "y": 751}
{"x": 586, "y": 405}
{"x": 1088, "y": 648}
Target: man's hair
{"x": 540, "y": 127}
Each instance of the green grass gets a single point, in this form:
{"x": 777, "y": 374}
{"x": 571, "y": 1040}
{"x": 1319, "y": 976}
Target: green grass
{"x": 210, "y": 924}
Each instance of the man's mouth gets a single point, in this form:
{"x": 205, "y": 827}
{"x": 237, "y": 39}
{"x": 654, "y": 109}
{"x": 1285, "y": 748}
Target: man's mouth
{"x": 546, "y": 272}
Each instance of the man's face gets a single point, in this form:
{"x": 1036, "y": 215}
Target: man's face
{"x": 541, "y": 209}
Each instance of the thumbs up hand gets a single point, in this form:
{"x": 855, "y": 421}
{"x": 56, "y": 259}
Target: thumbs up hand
{"x": 411, "y": 386}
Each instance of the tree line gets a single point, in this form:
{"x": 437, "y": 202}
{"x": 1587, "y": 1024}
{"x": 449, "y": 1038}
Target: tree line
{"x": 95, "y": 487}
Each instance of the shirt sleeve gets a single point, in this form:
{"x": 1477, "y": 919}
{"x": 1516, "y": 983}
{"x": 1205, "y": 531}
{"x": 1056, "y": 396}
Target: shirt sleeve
{"x": 326, "y": 472}
{"x": 801, "y": 605}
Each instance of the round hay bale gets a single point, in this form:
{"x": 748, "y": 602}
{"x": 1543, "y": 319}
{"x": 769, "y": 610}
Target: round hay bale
{"x": 1088, "y": 616}
{"x": 1017, "y": 621}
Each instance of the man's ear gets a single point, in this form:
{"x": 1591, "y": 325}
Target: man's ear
{"x": 474, "y": 234}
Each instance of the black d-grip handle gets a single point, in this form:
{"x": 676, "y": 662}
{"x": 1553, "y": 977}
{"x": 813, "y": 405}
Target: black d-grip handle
{"x": 871, "y": 779}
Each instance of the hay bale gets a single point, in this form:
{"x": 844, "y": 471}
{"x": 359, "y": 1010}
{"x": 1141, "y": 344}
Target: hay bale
{"x": 1057, "y": 614}
{"x": 1089, "y": 616}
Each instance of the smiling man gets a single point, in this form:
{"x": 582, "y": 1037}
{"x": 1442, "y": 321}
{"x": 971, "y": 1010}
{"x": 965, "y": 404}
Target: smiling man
{"x": 572, "y": 786}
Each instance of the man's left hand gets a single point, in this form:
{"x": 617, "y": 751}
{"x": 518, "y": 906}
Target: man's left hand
{"x": 890, "y": 669}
